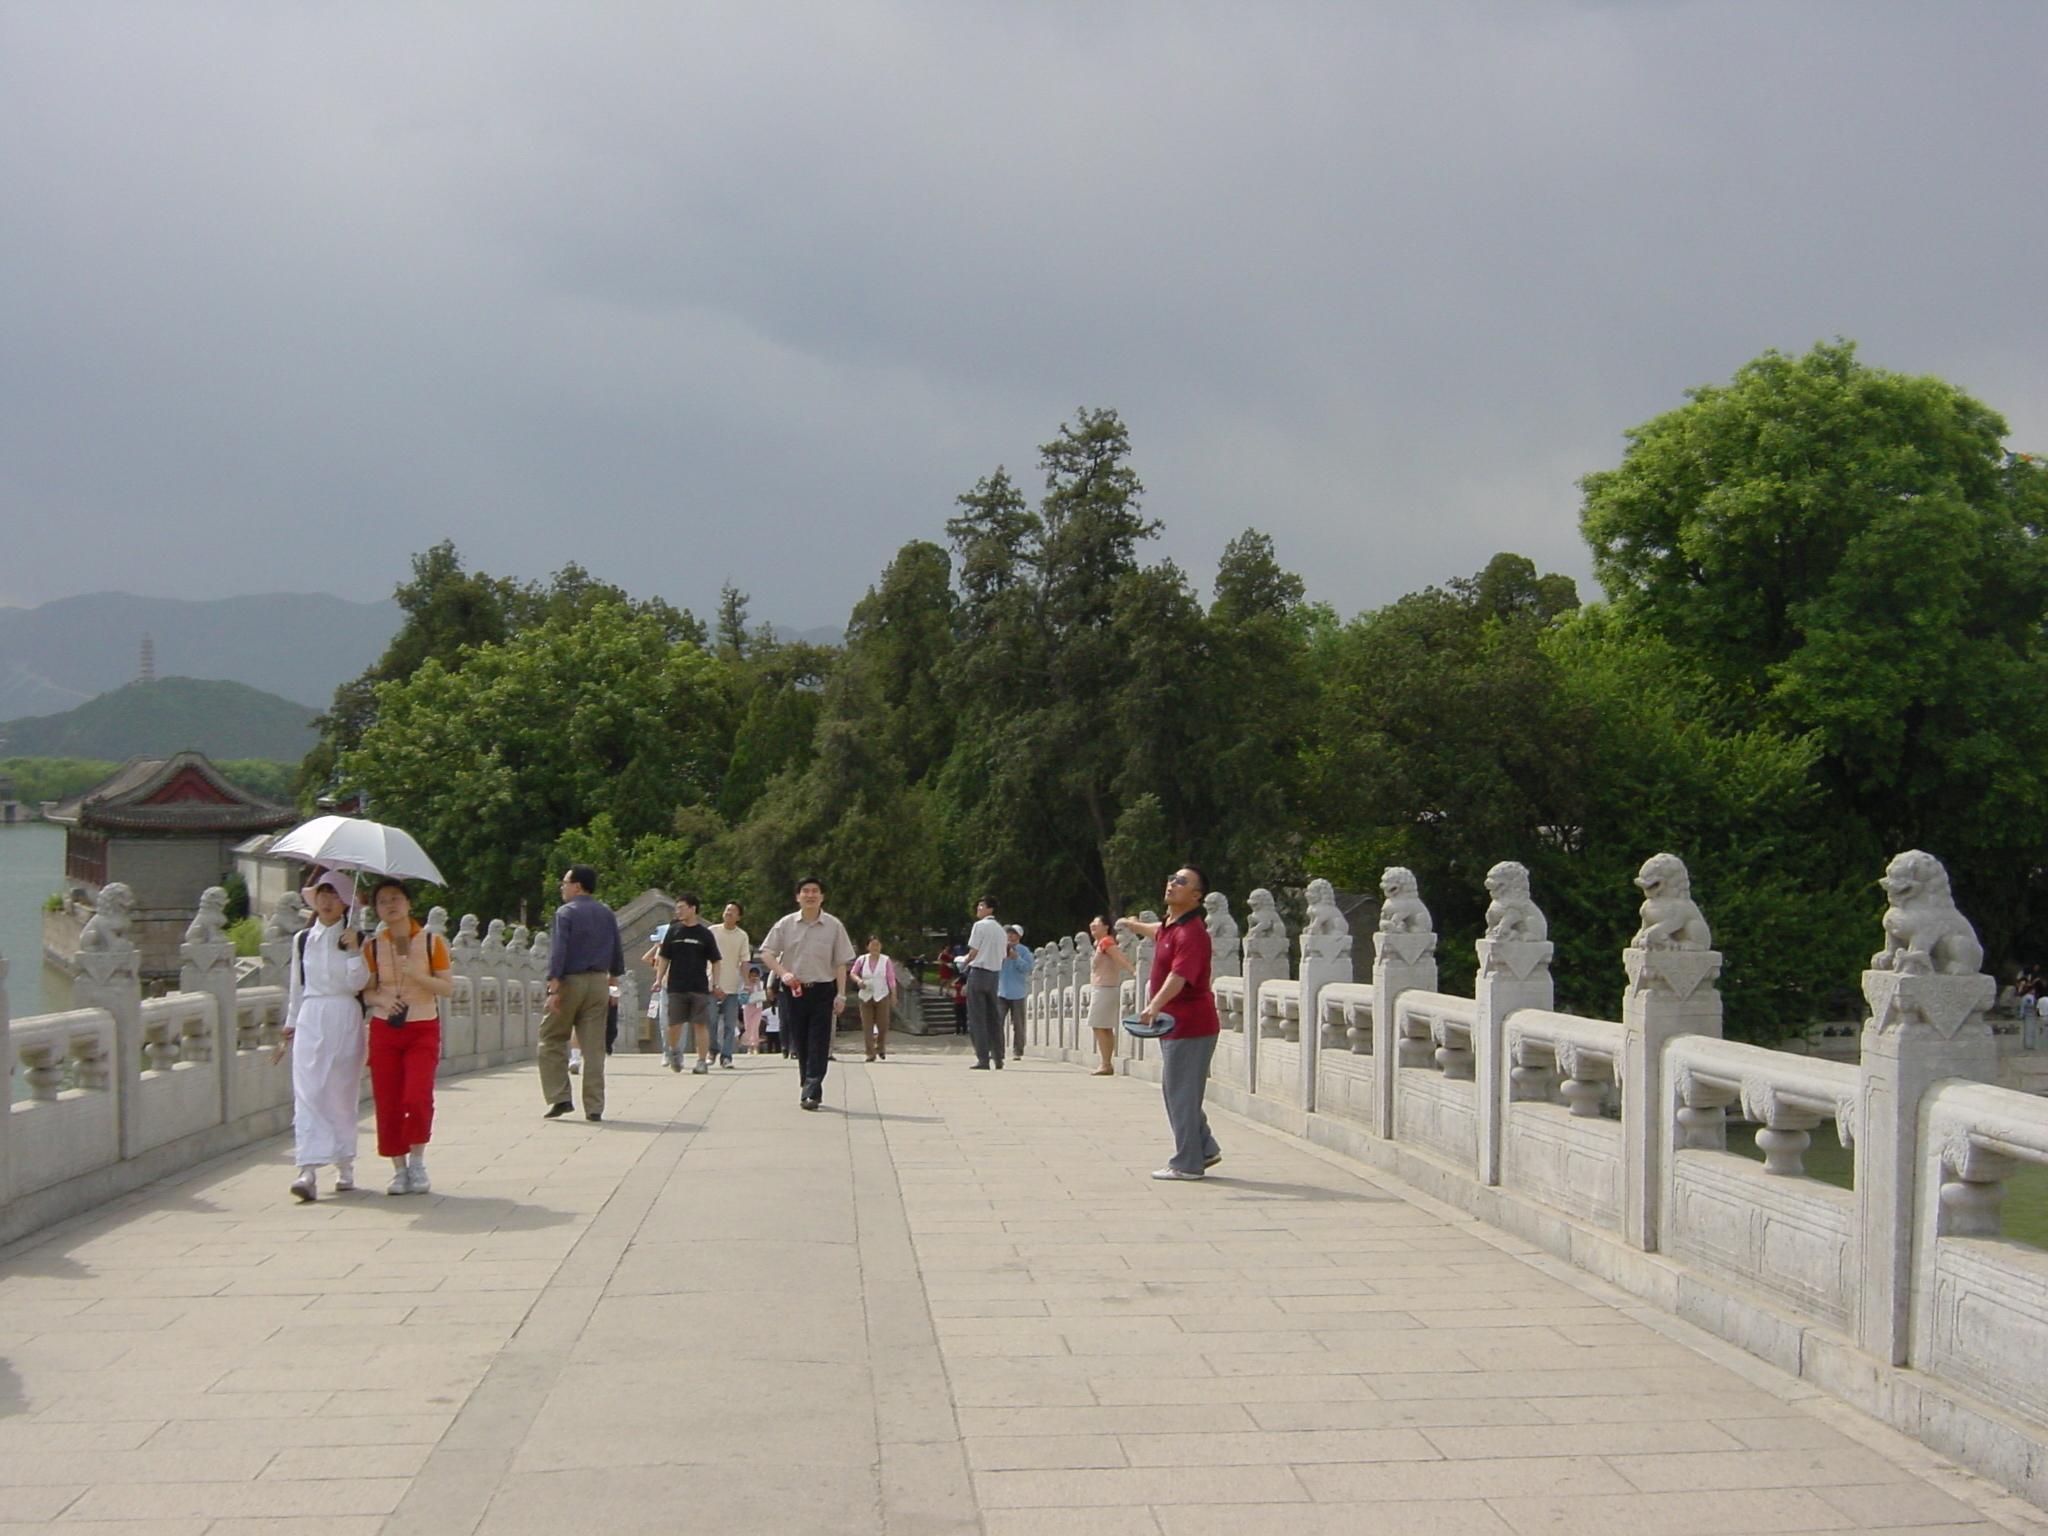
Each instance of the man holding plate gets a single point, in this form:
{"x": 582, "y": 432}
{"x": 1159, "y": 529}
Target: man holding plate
{"x": 1178, "y": 988}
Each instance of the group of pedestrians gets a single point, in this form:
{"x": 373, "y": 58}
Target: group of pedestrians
{"x": 347, "y": 1000}
{"x": 997, "y": 968}
{"x": 351, "y": 1000}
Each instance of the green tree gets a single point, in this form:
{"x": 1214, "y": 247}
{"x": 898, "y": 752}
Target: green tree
{"x": 1445, "y": 741}
{"x": 490, "y": 763}
{"x": 1852, "y": 553}
{"x": 450, "y": 611}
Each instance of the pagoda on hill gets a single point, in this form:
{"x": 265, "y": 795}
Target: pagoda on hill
{"x": 167, "y": 829}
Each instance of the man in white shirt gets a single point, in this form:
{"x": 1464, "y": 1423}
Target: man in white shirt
{"x": 987, "y": 943}
{"x": 735, "y": 949}
{"x": 809, "y": 952}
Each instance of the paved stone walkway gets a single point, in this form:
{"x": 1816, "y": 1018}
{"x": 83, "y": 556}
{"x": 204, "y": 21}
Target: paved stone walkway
{"x": 951, "y": 1303}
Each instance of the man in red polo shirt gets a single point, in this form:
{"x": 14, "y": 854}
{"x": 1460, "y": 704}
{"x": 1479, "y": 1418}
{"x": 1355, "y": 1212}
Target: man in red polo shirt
{"x": 1179, "y": 988}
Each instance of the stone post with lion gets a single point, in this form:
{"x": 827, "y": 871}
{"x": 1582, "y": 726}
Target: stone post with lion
{"x": 1928, "y": 996}
{"x": 1672, "y": 966}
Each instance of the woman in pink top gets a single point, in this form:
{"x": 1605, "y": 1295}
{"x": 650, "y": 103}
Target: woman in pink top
{"x": 874, "y": 977}
{"x": 1105, "y": 991}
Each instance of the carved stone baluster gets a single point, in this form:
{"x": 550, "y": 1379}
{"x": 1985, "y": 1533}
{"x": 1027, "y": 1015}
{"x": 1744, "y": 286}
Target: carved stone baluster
{"x": 1586, "y": 1077}
{"x": 43, "y": 1069}
{"x": 1417, "y": 1047}
{"x": 1454, "y": 1053}
{"x": 195, "y": 1038}
{"x": 1784, "y": 1130}
{"x": 1973, "y": 1189}
{"x": 1533, "y": 1078}
{"x": 89, "y": 1067}
{"x": 159, "y": 1046}
{"x": 1703, "y": 1113}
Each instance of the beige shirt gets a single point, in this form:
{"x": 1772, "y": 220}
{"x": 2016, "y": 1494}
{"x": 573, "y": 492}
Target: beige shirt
{"x": 734, "y": 951}
{"x": 809, "y": 951}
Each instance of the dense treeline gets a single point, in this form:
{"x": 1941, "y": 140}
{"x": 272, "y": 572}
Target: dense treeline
{"x": 1822, "y": 642}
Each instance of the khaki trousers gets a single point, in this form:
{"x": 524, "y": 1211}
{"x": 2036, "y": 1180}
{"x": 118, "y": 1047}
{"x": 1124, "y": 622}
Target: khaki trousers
{"x": 580, "y": 1008}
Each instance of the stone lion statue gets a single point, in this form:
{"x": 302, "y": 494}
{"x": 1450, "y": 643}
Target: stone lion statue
{"x": 1924, "y": 933}
{"x": 1325, "y": 935}
{"x": 1401, "y": 909}
{"x": 287, "y": 917}
{"x": 1266, "y": 938}
{"x": 1670, "y": 918}
{"x": 107, "y": 928}
{"x": 1513, "y": 913}
{"x": 209, "y": 924}
{"x": 1224, "y": 935}
{"x": 467, "y": 932}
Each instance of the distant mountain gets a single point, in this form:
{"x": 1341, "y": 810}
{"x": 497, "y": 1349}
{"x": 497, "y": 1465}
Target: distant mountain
{"x": 172, "y": 714}
{"x": 824, "y": 636}
{"x": 298, "y": 646}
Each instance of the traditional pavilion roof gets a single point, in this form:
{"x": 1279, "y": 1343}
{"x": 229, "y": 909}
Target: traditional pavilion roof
{"x": 181, "y": 793}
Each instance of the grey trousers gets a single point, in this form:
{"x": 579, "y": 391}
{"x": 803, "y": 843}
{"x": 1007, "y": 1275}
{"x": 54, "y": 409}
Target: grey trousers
{"x": 984, "y": 1014}
{"x": 1183, "y": 1076}
{"x": 1013, "y": 1010}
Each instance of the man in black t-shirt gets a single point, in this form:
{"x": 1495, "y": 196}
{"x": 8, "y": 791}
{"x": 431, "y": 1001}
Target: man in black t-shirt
{"x": 689, "y": 950}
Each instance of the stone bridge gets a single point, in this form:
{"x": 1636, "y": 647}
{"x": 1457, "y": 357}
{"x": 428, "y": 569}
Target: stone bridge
{"x": 1469, "y": 1264}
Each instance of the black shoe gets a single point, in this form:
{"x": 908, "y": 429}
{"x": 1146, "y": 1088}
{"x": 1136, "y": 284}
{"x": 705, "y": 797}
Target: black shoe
{"x": 979, "y": 1066}
{"x": 595, "y": 1114}
{"x": 999, "y": 1063}
{"x": 556, "y": 1111}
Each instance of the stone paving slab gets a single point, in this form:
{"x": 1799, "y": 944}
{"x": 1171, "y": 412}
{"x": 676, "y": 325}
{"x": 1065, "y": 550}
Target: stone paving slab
{"x": 952, "y": 1302}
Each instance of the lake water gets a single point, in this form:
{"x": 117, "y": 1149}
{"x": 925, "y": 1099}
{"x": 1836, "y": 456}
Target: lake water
{"x": 31, "y": 867}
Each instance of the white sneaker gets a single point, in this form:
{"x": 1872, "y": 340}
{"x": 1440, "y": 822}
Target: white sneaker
{"x": 304, "y": 1187}
{"x": 701, "y": 1068}
{"x": 1173, "y": 1173}
{"x": 401, "y": 1183}
{"x": 421, "y": 1184}
{"x": 345, "y": 1176}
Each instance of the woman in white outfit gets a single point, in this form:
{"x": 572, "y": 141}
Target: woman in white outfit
{"x": 324, "y": 1022}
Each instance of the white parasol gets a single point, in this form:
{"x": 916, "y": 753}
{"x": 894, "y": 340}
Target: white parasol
{"x": 346, "y": 842}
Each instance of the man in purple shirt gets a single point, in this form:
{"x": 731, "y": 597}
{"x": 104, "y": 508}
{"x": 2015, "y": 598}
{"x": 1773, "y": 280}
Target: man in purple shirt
{"x": 585, "y": 961}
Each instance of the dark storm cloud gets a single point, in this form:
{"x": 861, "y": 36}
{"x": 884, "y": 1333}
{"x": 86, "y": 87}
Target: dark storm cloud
{"x": 752, "y": 291}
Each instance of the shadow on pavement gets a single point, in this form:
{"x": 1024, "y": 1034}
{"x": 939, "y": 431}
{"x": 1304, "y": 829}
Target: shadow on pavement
{"x": 12, "y": 1399}
{"x": 477, "y": 1213}
{"x": 46, "y": 1265}
{"x": 1297, "y": 1191}
{"x": 875, "y": 1114}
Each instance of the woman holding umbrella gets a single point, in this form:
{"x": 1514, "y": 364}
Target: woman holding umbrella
{"x": 323, "y": 1020}
{"x": 409, "y": 975}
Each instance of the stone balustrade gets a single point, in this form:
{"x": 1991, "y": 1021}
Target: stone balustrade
{"x": 126, "y": 1089}
{"x": 1604, "y": 1141}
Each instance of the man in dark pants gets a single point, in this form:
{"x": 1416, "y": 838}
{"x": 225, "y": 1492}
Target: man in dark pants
{"x": 1179, "y": 988}
{"x": 986, "y": 945}
{"x": 585, "y": 961}
{"x": 808, "y": 951}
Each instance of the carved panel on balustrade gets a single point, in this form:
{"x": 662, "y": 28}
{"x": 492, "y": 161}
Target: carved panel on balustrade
{"x": 70, "y": 1123}
{"x": 1437, "y": 1114}
{"x": 1344, "y": 1086}
{"x": 255, "y": 1082}
{"x": 1985, "y": 1321}
{"x": 178, "y": 1092}
{"x": 1228, "y": 1064}
{"x": 1280, "y": 1069}
{"x": 1568, "y": 1161}
{"x": 1789, "y": 1238}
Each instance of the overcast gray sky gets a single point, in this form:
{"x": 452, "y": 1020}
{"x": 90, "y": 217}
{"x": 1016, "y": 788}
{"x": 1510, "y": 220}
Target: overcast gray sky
{"x": 693, "y": 292}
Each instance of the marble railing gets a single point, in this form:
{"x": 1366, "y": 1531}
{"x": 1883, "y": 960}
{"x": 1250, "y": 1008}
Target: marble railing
{"x": 1605, "y": 1142}
{"x": 126, "y": 1089}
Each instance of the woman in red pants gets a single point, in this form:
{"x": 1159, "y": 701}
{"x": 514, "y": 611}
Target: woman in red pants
{"x": 409, "y": 975}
